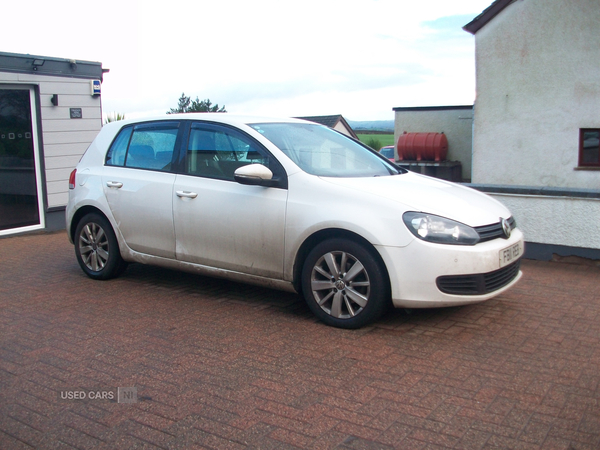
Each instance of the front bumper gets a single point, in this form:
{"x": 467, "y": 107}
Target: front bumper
{"x": 426, "y": 275}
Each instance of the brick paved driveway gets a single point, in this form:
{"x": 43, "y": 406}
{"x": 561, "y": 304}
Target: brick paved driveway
{"x": 223, "y": 365}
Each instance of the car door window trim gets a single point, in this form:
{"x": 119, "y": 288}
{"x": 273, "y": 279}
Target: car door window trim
{"x": 279, "y": 178}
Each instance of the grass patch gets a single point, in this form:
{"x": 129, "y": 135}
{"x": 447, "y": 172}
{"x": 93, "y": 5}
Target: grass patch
{"x": 379, "y": 140}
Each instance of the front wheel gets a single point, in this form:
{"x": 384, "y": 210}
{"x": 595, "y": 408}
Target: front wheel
{"x": 344, "y": 284}
{"x": 97, "y": 249}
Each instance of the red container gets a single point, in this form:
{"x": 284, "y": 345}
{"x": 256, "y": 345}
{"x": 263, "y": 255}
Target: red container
{"x": 422, "y": 147}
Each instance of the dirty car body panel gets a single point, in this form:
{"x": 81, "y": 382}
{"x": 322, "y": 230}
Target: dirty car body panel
{"x": 291, "y": 205}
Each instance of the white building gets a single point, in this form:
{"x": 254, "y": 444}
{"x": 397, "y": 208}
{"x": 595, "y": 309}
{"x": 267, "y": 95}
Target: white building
{"x": 50, "y": 111}
{"x": 537, "y": 119}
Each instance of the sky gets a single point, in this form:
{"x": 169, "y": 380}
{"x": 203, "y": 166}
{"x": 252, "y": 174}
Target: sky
{"x": 358, "y": 58}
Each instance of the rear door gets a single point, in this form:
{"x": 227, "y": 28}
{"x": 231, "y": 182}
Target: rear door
{"x": 138, "y": 184}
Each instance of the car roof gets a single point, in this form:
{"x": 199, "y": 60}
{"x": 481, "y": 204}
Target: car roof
{"x": 227, "y": 118}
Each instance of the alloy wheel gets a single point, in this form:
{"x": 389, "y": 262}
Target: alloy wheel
{"x": 340, "y": 284}
{"x": 93, "y": 246}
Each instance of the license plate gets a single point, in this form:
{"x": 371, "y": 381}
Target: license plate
{"x": 511, "y": 254}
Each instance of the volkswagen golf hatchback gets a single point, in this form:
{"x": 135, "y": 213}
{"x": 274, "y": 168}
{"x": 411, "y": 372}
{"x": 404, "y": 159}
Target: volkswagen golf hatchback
{"x": 286, "y": 204}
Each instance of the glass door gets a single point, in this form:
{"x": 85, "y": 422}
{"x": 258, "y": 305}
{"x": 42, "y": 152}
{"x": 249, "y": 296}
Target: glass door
{"x": 19, "y": 183}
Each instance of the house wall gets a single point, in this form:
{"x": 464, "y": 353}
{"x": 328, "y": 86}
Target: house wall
{"x": 342, "y": 129}
{"x": 556, "y": 220}
{"x": 538, "y": 72}
{"x": 63, "y": 140}
{"x": 538, "y": 75}
{"x": 455, "y": 122}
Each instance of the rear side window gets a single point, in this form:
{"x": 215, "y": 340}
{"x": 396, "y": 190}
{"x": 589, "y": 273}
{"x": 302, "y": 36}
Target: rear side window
{"x": 147, "y": 146}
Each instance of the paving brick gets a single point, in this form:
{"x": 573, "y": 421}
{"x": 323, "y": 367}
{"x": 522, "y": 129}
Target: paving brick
{"x": 362, "y": 432}
{"x": 329, "y": 440}
{"x": 356, "y": 443}
{"x": 20, "y": 431}
{"x": 472, "y": 439}
{"x": 292, "y": 438}
{"x": 437, "y": 437}
{"x": 224, "y": 365}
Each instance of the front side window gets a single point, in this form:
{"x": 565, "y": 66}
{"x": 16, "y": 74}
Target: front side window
{"x": 216, "y": 152}
{"x": 147, "y": 146}
{"x": 589, "y": 147}
{"x": 320, "y": 151}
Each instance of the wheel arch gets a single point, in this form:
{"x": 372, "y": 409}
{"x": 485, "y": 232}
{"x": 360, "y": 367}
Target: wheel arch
{"x": 79, "y": 214}
{"x": 330, "y": 233}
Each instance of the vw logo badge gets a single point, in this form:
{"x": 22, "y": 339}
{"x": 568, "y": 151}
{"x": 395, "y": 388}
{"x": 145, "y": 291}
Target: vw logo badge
{"x": 505, "y": 227}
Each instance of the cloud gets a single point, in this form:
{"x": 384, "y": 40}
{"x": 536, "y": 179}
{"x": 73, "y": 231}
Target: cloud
{"x": 449, "y": 24}
{"x": 359, "y": 59}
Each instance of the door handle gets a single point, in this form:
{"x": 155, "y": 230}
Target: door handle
{"x": 114, "y": 184}
{"x": 186, "y": 194}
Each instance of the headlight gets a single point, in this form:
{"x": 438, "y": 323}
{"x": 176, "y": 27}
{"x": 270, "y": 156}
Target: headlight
{"x": 440, "y": 230}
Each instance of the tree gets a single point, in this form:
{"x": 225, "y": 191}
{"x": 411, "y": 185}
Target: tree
{"x": 374, "y": 143}
{"x": 187, "y": 105}
{"x": 114, "y": 117}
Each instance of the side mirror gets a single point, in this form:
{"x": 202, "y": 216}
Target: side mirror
{"x": 255, "y": 175}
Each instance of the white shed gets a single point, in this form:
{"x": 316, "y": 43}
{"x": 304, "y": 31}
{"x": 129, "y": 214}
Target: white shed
{"x": 50, "y": 111}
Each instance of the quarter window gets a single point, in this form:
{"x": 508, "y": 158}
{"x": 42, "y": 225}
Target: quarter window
{"x": 118, "y": 150}
{"x": 589, "y": 147}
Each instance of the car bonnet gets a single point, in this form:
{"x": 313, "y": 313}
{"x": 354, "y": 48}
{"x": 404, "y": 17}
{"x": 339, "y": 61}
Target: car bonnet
{"x": 414, "y": 192}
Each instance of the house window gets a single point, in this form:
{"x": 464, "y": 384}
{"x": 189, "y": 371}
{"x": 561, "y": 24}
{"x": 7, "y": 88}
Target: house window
{"x": 589, "y": 147}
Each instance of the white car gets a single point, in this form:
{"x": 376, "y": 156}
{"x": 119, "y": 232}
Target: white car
{"x": 290, "y": 205}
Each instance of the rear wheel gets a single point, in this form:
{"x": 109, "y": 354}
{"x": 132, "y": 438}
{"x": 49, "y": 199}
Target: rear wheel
{"x": 344, "y": 284}
{"x": 97, "y": 249}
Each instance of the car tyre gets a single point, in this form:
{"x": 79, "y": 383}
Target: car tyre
{"x": 97, "y": 248}
{"x": 344, "y": 284}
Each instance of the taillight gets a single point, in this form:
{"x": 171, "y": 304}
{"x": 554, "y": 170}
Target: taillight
{"x": 72, "y": 179}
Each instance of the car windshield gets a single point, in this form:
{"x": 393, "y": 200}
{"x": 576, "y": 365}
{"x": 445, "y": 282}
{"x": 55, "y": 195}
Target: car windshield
{"x": 387, "y": 152}
{"x": 321, "y": 151}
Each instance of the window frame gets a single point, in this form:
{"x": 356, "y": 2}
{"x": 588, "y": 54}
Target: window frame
{"x": 144, "y": 126}
{"x": 109, "y": 156}
{"x": 581, "y": 161}
{"x": 279, "y": 173}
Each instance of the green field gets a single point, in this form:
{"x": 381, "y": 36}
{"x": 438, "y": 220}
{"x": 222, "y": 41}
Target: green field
{"x": 382, "y": 139}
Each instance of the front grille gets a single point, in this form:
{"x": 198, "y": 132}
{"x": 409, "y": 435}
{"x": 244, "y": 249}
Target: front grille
{"x": 494, "y": 231}
{"x": 478, "y": 284}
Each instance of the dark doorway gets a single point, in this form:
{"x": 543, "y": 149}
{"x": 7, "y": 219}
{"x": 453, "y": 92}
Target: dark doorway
{"x": 18, "y": 185}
